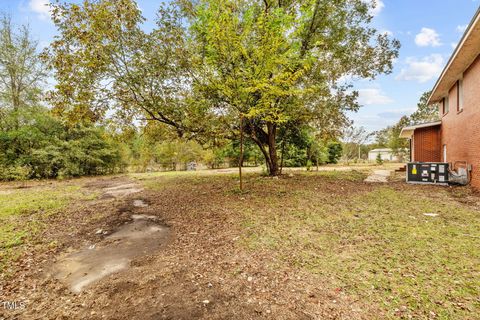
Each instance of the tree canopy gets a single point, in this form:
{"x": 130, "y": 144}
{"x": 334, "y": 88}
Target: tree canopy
{"x": 210, "y": 63}
{"x": 21, "y": 72}
{"x": 425, "y": 112}
{"x": 33, "y": 143}
{"x": 390, "y": 136}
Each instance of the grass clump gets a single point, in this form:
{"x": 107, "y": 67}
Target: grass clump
{"x": 23, "y": 214}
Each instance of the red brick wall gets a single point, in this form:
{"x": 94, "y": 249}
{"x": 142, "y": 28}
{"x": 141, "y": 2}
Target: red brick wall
{"x": 426, "y": 144}
{"x": 461, "y": 129}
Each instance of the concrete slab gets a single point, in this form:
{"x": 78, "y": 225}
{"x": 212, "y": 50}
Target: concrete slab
{"x": 379, "y": 176}
{"x": 81, "y": 269}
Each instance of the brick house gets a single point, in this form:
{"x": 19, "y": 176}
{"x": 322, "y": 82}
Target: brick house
{"x": 456, "y": 137}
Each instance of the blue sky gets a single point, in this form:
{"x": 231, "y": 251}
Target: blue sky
{"x": 428, "y": 30}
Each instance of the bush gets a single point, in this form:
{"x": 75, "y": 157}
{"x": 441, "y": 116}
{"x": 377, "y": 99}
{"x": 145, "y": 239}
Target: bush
{"x": 45, "y": 148}
{"x": 14, "y": 173}
{"x": 309, "y": 165}
{"x": 379, "y": 159}
{"x": 334, "y": 152}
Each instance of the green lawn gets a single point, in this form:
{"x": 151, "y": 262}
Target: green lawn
{"x": 377, "y": 244}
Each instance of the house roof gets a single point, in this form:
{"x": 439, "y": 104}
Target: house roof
{"x": 407, "y": 132}
{"x": 466, "y": 52}
{"x": 381, "y": 150}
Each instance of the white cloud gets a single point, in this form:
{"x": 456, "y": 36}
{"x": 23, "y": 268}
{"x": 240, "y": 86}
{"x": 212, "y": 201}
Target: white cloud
{"x": 454, "y": 45}
{"x": 462, "y": 28}
{"x": 428, "y": 37}
{"x": 395, "y": 113}
{"x": 387, "y": 32}
{"x": 379, "y": 5}
{"x": 373, "y": 96}
{"x": 40, "y": 7}
{"x": 422, "y": 70}
{"x": 376, "y": 6}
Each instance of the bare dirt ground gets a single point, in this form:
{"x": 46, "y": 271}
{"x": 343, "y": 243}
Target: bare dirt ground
{"x": 202, "y": 273}
{"x": 202, "y": 270}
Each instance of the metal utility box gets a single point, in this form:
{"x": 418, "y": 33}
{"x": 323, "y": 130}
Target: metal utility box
{"x": 428, "y": 173}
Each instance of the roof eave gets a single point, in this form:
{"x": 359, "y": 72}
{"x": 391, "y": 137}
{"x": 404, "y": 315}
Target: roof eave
{"x": 407, "y": 132}
{"x": 436, "y": 96}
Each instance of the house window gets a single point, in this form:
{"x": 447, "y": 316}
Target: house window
{"x": 460, "y": 95}
{"x": 444, "y": 153}
{"x": 445, "y": 105}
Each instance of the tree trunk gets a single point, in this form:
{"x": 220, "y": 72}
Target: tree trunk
{"x": 266, "y": 142}
{"x": 282, "y": 155}
{"x": 272, "y": 150}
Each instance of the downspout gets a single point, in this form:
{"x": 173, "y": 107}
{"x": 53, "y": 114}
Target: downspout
{"x": 411, "y": 150}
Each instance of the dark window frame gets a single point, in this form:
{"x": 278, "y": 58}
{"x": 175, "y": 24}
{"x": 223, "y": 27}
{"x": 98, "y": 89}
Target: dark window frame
{"x": 459, "y": 95}
{"x": 445, "y": 105}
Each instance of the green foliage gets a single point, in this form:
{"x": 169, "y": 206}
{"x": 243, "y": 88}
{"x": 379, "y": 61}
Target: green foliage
{"x": 335, "y": 151}
{"x": 154, "y": 148}
{"x": 85, "y": 151}
{"x": 379, "y": 159}
{"x": 34, "y": 144}
{"x": 214, "y": 158}
{"x": 300, "y": 145}
{"x": 295, "y": 156}
{"x": 390, "y": 136}
{"x": 209, "y": 63}
{"x": 251, "y": 154}
{"x": 425, "y": 113}
{"x": 309, "y": 165}
{"x": 21, "y": 72}
{"x": 44, "y": 148}
{"x": 11, "y": 173}
{"x": 172, "y": 153}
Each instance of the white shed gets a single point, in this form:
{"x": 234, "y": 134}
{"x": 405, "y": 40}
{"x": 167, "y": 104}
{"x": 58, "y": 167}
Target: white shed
{"x": 386, "y": 155}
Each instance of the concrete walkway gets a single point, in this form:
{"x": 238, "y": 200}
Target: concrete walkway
{"x": 379, "y": 176}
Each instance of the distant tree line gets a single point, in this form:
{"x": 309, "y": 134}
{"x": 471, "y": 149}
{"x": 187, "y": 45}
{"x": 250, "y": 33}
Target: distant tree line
{"x": 34, "y": 143}
{"x": 145, "y": 151}
{"x": 390, "y": 136}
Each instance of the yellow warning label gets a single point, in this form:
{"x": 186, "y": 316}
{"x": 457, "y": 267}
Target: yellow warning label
{"x": 414, "y": 170}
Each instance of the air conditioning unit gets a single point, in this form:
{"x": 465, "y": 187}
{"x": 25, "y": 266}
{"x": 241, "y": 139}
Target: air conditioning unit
{"x": 428, "y": 173}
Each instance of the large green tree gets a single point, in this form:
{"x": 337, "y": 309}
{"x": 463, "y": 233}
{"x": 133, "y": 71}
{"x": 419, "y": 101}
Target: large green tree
{"x": 277, "y": 62}
{"x": 214, "y": 67}
{"x": 21, "y": 73}
{"x": 34, "y": 144}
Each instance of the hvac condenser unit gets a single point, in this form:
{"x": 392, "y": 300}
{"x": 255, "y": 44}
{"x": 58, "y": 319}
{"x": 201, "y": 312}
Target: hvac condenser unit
{"x": 428, "y": 173}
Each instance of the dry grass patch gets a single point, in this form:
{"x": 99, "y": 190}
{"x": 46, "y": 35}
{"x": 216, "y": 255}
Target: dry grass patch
{"x": 24, "y": 213}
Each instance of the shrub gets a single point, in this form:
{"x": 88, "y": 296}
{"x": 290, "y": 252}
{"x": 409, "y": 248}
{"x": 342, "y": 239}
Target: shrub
{"x": 14, "y": 173}
{"x": 379, "y": 159}
{"x": 334, "y": 152}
